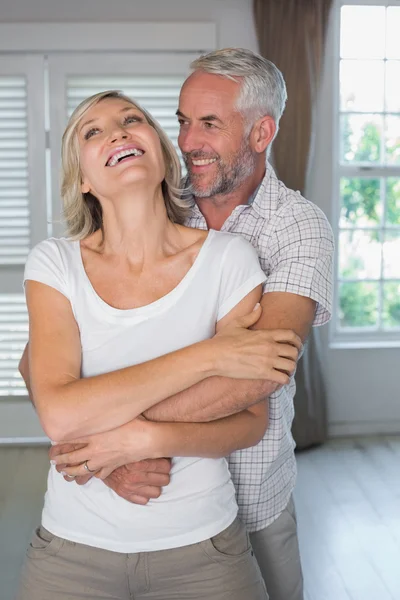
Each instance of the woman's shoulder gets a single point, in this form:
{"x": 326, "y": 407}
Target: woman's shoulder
{"x": 57, "y": 253}
{"x": 53, "y": 246}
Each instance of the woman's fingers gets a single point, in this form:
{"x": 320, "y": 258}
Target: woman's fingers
{"x": 286, "y": 336}
{"x": 75, "y": 470}
{"x": 71, "y": 458}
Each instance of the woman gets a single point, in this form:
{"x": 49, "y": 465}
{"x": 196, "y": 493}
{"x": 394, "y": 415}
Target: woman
{"x": 123, "y": 314}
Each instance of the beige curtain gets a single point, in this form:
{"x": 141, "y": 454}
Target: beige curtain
{"x": 291, "y": 33}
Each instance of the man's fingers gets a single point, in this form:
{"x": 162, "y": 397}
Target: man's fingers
{"x": 154, "y": 465}
{"x": 135, "y": 499}
{"x": 83, "y": 479}
{"x": 145, "y": 493}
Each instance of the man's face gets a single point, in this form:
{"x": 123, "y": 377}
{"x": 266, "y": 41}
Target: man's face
{"x": 217, "y": 155}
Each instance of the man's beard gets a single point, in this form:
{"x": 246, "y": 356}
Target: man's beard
{"x": 229, "y": 176}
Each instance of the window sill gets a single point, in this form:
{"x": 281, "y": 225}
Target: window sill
{"x": 364, "y": 345}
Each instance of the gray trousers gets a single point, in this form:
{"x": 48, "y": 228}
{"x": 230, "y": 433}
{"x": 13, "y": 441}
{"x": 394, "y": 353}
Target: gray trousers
{"x": 277, "y": 551}
{"x": 220, "y": 568}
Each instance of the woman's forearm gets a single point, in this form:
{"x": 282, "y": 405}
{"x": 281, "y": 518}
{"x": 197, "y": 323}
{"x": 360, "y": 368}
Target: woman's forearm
{"x": 96, "y": 404}
{"x": 215, "y": 439}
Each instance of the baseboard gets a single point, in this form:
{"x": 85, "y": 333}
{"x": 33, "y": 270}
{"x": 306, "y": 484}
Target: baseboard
{"x": 356, "y": 428}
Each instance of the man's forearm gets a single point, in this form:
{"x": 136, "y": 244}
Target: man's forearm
{"x": 215, "y": 439}
{"x": 211, "y": 399}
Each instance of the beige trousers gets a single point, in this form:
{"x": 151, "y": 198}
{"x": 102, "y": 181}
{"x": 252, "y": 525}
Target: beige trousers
{"x": 220, "y": 568}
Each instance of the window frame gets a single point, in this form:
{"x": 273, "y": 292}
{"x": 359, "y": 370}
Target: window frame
{"x": 352, "y": 337}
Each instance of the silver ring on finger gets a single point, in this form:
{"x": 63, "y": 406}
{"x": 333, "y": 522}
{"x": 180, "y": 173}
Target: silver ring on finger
{"x": 85, "y": 464}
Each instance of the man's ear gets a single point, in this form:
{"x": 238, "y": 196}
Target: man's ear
{"x": 262, "y": 134}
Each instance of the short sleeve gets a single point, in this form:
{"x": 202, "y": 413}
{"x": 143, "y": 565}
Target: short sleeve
{"x": 241, "y": 273}
{"x": 45, "y": 264}
{"x": 301, "y": 257}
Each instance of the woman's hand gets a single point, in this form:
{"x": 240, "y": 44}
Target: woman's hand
{"x": 99, "y": 455}
{"x": 260, "y": 354}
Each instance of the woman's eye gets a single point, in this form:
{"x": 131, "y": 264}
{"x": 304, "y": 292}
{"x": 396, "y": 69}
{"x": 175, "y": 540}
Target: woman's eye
{"x": 131, "y": 119}
{"x": 91, "y": 132}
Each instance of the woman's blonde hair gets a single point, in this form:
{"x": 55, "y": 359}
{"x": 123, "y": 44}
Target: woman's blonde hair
{"x": 82, "y": 212}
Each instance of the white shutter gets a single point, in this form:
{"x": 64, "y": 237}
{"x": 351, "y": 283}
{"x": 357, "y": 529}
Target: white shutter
{"x": 22, "y": 201}
{"x": 14, "y": 192}
{"x": 154, "y": 80}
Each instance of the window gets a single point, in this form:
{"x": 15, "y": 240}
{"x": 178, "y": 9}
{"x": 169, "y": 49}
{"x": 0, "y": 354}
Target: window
{"x": 368, "y": 172}
{"x": 37, "y": 94}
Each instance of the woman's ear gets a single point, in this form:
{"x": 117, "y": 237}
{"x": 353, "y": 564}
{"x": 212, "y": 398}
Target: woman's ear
{"x": 85, "y": 187}
{"x": 263, "y": 133}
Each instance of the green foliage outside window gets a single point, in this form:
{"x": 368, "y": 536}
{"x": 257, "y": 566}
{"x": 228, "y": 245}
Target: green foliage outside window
{"x": 361, "y": 206}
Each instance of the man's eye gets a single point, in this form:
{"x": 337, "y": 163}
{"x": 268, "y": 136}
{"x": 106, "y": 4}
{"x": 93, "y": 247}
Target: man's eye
{"x": 91, "y": 132}
{"x": 182, "y": 122}
{"x": 208, "y": 125}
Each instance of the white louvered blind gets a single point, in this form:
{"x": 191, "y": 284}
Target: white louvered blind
{"x": 159, "y": 94}
{"x": 14, "y": 192}
{"x": 14, "y": 225}
{"x": 22, "y": 202}
{"x": 13, "y": 337}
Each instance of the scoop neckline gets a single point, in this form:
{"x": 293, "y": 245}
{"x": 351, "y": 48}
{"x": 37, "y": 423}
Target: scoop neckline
{"x": 162, "y": 302}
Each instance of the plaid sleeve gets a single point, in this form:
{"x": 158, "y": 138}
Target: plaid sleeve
{"x": 300, "y": 253}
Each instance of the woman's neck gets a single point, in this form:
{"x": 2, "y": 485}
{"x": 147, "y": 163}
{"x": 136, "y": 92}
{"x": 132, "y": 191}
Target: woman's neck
{"x": 136, "y": 226}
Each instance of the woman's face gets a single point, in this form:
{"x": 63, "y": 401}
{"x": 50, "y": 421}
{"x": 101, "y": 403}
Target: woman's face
{"x": 118, "y": 149}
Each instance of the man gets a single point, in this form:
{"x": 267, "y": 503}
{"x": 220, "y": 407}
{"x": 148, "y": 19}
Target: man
{"x": 229, "y": 111}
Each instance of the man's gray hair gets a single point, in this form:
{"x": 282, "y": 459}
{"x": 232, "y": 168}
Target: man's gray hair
{"x": 263, "y": 89}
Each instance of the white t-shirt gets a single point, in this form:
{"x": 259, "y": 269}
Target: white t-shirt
{"x": 200, "y": 500}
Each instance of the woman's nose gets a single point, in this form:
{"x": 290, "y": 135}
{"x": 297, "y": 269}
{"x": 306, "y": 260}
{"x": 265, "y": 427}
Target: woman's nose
{"x": 118, "y": 134}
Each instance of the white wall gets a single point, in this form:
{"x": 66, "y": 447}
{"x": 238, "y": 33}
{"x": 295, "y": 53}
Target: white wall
{"x": 234, "y": 18}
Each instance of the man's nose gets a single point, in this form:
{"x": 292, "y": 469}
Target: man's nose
{"x": 190, "y": 139}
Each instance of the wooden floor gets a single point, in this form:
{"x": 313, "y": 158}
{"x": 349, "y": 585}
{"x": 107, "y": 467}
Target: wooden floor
{"x": 348, "y": 507}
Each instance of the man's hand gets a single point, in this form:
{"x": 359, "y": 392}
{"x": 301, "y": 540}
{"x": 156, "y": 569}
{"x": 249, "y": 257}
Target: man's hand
{"x": 140, "y": 481}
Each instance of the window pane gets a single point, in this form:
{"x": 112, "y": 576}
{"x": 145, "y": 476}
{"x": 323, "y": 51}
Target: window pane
{"x": 392, "y": 143}
{"x": 392, "y": 85}
{"x": 361, "y": 138}
{"x": 393, "y": 201}
{"x": 391, "y": 255}
{"x": 362, "y": 85}
{"x": 358, "y": 304}
{"x": 359, "y": 255}
{"x": 391, "y": 304}
{"x": 392, "y": 32}
{"x": 362, "y": 32}
{"x": 361, "y": 205}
